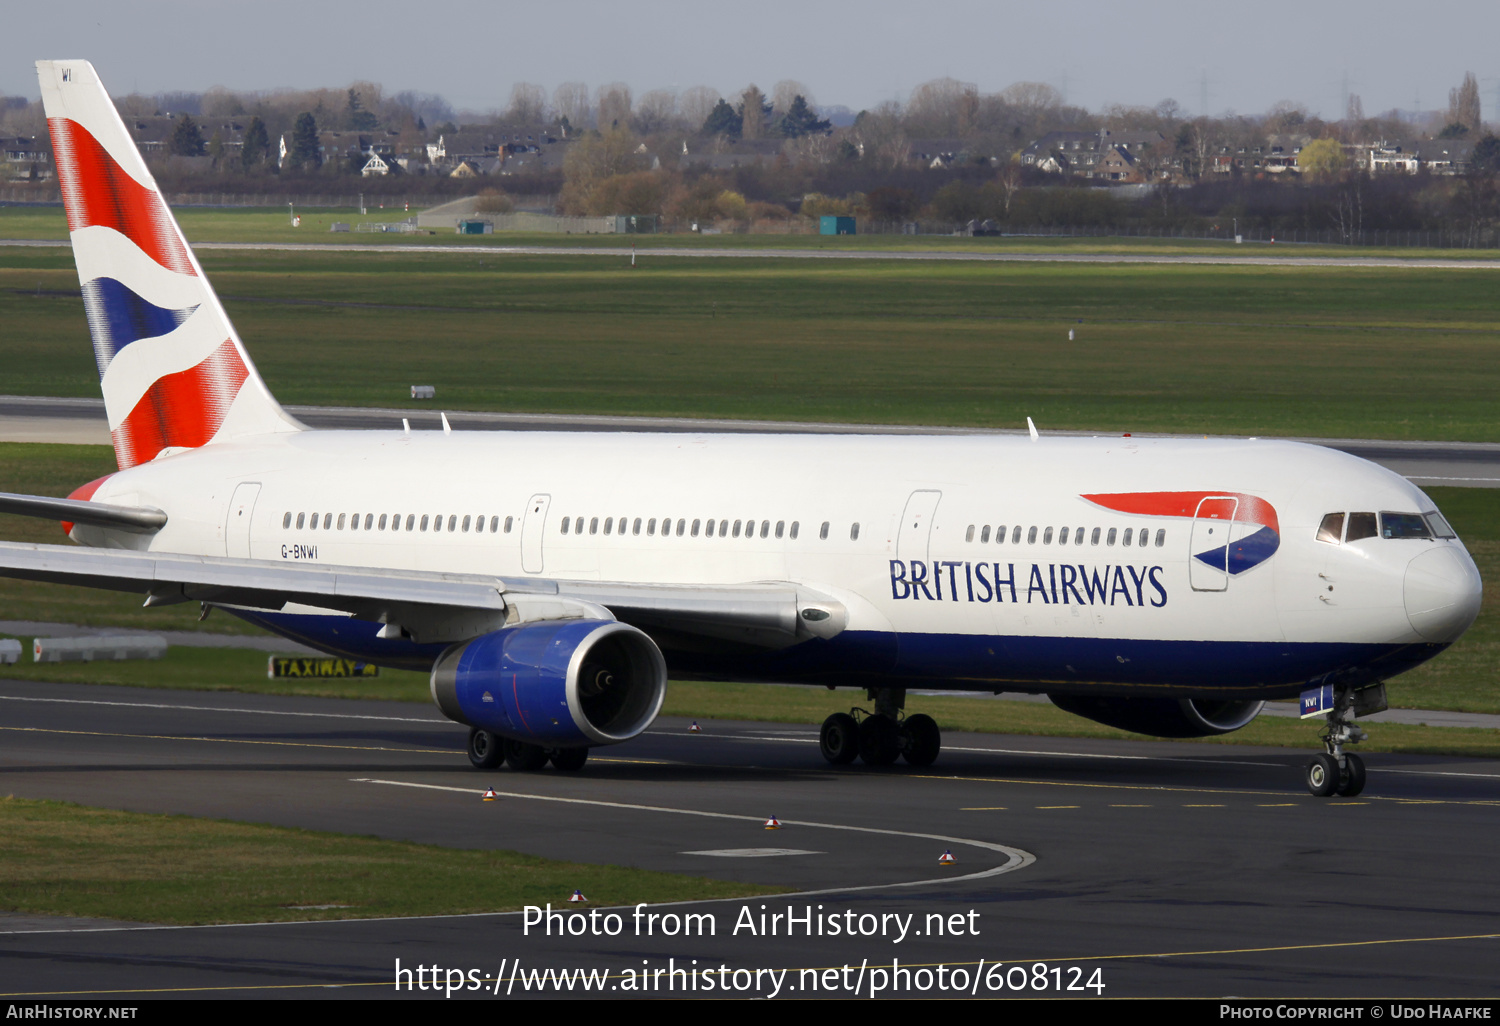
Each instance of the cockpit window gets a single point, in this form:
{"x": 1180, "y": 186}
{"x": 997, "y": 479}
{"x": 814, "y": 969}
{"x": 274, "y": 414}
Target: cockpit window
{"x": 1361, "y": 525}
{"x": 1403, "y": 525}
{"x": 1438, "y": 526}
{"x": 1331, "y": 530}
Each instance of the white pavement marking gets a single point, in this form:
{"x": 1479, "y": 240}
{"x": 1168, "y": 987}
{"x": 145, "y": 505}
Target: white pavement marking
{"x": 211, "y": 708}
{"x": 1015, "y": 858}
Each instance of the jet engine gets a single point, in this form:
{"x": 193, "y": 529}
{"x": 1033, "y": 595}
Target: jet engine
{"x": 554, "y": 683}
{"x": 1162, "y": 717}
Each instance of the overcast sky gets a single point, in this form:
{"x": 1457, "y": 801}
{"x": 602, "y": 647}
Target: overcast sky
{"x": 1250, "y": 54}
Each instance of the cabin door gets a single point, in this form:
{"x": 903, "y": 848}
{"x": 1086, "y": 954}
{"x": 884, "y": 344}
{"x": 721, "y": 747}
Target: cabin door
{"x": 532, "y": 526}
{"x": 1208, "y": 554}
{"x": 915, "y": 537}
{"x": 237, "y": 524}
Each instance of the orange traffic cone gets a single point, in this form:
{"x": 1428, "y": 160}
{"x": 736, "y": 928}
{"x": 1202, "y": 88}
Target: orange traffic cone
{"x": 490, "y": 795}
{"x": 947, "y": 859}
{"x": 773, "y": 823}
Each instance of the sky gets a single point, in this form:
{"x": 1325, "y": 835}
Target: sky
{"x": 1241, "y": 57}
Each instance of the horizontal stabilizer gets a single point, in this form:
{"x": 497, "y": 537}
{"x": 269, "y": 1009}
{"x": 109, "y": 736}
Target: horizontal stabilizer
{"x": 139, "y": 519}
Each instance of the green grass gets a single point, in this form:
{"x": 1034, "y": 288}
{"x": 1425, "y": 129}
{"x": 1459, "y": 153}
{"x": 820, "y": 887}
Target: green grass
{"x": 63, "y": 859}
{"x": 272, "y": 224}
{"x": 1341, "y": 352}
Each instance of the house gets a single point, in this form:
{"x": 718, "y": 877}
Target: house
{"x": 1447, "y": 156}
{"x": 1081, "y": 152}
{"x": 27, "y": 158}
{"x": 1387, "y": 157}
{"x": 1117, "y": 164}
{"x": 722, "y": 154}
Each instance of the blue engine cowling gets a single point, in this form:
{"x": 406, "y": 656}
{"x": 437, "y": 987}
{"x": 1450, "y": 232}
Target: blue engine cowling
{"x": 555, "y": 683}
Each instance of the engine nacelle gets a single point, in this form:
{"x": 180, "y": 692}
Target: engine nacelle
{"x": 1162, "y": 717}
{"x": 555, "y": 683}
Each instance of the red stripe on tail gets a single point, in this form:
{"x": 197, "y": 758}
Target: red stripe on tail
{"x": 98, "y": 193}
{"x": 182, "y": 410}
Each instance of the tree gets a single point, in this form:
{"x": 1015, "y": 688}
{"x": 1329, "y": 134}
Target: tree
{"x": 1486, "y": 156}
{"x": 800, "y": 120}
{"x": 1321, "y": 159}
{"x": 187, "y": 138}
{"x": 754, "y": 111}
{"x": 528, "y": 104}
{"x": 305, "y": 151}
{"x": 571, "y": 101}
{"x": 697, "y": 103}
{"x": 1463, "y": 103}
{"x": 355, "y": 116}
{"x": 257, "y": 144}
{"x": 614, "y": 103}
{"x": 723, "y": 120}
{"x": 891, "y": 204}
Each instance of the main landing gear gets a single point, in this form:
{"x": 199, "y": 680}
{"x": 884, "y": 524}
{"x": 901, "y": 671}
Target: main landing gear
{"x": 487, "y": 750}
{"x": 881, "y": 737}
{"x": 1337, "y": 772}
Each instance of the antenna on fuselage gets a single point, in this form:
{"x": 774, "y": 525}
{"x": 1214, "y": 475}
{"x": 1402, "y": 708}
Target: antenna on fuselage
{"x": 446, "y": 429}
{"x": 406, "y": 426}
{"x": 1032, "y": 428}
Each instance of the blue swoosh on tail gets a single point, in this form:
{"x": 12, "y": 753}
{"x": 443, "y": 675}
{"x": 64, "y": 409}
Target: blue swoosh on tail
{"x": 118, "y": 317}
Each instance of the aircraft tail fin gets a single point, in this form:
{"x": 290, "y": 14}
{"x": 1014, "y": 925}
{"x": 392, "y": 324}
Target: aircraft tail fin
{"x": 172, "y": 368}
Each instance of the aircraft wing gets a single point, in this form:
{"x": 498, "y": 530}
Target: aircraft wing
{"x": 433, "y": 606}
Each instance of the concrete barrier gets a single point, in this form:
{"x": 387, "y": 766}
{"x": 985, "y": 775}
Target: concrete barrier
{"x": 90, "y": 647}
{"x": 10, "y": 651}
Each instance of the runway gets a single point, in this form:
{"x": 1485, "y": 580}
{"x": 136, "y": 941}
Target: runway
{"x": 1173, "y": 869}
{"x": 82, "y": 421}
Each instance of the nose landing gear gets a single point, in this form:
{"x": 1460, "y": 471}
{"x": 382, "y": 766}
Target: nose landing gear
{"x": 881, "y": 737}
{"x": 1337, "y": 771}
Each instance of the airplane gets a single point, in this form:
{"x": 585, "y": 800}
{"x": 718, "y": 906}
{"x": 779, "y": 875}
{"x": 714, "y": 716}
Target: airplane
{"x": 550, "y": 583}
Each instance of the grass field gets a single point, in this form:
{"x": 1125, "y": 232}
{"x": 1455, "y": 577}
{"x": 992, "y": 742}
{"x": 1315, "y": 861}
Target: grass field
{"x": 272, "y": 224}
{"x": 63, "y": 859}
{"x": 1342, "y": 352}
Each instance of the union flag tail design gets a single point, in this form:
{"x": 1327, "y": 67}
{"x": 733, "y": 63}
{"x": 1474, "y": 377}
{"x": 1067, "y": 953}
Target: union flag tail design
{"x": 171, "y": 366}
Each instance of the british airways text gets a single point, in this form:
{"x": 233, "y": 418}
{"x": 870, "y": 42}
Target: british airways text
{"x": 952, "y": 580}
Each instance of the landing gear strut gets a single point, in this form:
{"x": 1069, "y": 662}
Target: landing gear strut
{"x": 1337, "y": 771}
{"x": 881, "y": 737}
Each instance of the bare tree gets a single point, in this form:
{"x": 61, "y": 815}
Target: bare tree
{"x": 571, "y": 100}
{"x": 696, "y": 103}
{"x": 528, "y": 104}
{"x": 753, "y": 109}
{"x": 1463, "y": 103}
{"x": 614, "y": 103}
{"x": 936, "y": 108}
{"x": 1354, "y": 110}
{"x": 657, "y": 112}
{"x": 881, "y": 134}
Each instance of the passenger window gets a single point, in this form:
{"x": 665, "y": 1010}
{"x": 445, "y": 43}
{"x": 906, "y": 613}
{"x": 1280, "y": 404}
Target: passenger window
{"x": 984, "y": 534}
{"x": 437, "y": 523}
{"x": 1109, "y": 539}
{"x": 1015, "y": 536}
{"x": 765, "y": 529}
{"x": 854, "y": 532}
{"x": 1145, "y": 537}
{"x": 508, "y": 522}
{"x": 969, "y": 534}
{"x": 478, "y": 525}
{"x": 327, "y": 521}
{"x": 411, "y": 521}
{"x": 1403, "y": 525}
{"x": 453, "y": 522}
{"x": 682, "y": 526}
{"x": 609, "y": 524}
{"x": 636, "y": 528}
{"x": 796, "y": 525}
{"x": 341, "y": 521}
{"x": 495, "y": 525}
{"x": 1094, "y": 537}
{"x": 563, "y": 527}
{"x": 594, "y": 526}
{"x": 1078, "y": 537}
{"x": 286, "y": 521}
{"x": 1361, "y": 525}
{"x": 354, "y": 522}
{"x": 651, "y": 528}
{"x": 1161, "y": 536}
{"x": 1062, "y": 538}
{"x": 779, "y": 525}
{"x": 301, "y": 519}
{"x": 426, "y": 519}
{"x": 369, "y": 520}
{"x": 1000, "y": 534}
{"x": 312, "y": 522}
{"x": 737, "y": 525}
{"x": 466, "y": 525}
{"x": 696, "y": 524}
{"x": 823, "y": 532}
{"x": 382, "y": 521}
{"x": 1126, "y": 540}
{"x": 1331, "y": 530}
{"x": 1030, "y": 536}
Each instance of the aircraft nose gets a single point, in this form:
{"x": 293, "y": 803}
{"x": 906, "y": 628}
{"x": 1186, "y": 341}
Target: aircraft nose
{"x": 1442, "y": 593}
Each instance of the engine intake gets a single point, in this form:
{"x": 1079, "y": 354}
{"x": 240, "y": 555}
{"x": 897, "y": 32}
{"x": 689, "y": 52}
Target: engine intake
{"x": 556, "y": 683}
{"x": 1162, "y": 717}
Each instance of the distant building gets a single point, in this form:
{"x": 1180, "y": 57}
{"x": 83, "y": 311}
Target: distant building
{"x": 1080, "y": 153}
